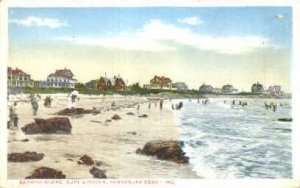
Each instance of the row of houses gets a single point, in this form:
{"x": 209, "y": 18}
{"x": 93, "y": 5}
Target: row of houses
{"x": 226, "y": 89}
{"x": 61, "y": 78}
{"x": 256, "y": 88}
{"x": 274, "y": 90}
{"x": 64, "y": 78}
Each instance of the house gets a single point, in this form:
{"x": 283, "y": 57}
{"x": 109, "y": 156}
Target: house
{"x": 216, "y": 90}
{"x": 118, "y": 83}
{"x": 205, "y": 88}
{"x": 257, "y": 88}
{"x": 180, "y": 86}
{"x": 92, "y": 84}
{"x": 104, "y": 83}
{"x": 229, "y": 89}
{"x": 62, "y": 78}
{"x": 275, "y": 91}
{"x": 115, "y": 83}
{"x": 17, "y": 78}
{"x": 160, "y": 82}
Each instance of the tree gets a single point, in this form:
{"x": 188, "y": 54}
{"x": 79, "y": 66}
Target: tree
{"x": 136, "y": 87}
{"x": 79, "y": 86}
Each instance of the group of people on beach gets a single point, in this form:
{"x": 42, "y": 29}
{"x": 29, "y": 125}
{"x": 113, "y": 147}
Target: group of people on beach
{"x": 177, "y": 106}
{"x": 13, "y": 116}
{"x": 34, "y": 99}
{"x": 161, "y": 103}
{"x": 242, "y": 103}
{"x": 272, "y": 106}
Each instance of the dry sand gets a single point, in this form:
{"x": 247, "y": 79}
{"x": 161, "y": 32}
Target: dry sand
{"x": 109, "y": 142}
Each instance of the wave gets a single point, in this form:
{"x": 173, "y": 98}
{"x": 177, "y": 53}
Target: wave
{"x": 238, "y": 142}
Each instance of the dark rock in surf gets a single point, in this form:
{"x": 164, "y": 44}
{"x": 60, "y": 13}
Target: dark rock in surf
{"x": 285, "y": 119}
{"x": 165, "y": 150}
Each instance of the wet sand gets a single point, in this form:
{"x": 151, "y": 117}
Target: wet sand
{"x": 113, "y": 143}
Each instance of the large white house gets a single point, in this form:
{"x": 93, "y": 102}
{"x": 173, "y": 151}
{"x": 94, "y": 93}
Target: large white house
{"x": 17, "y": 78}
{"x": 62, "y": 78}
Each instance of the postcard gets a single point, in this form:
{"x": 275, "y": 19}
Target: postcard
{"x": 149, "y": 95}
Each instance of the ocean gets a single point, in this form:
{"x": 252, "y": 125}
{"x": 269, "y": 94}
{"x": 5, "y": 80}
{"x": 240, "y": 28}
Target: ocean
{"x": 226, "y": 141}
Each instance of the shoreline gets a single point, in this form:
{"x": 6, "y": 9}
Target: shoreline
{"x": 112, "y": 143}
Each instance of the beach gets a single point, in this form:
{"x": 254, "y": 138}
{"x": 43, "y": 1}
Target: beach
{"x": 113, "y": 143}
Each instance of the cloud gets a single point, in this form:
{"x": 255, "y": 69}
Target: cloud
{"x": 40, "y": 22}
{"x": 191, "y": 21}
{"x": 158, "y": 31}
{"x": 124, "y": 43}
{"x": 156, "y": 36}
{"x": 280, "y": 17}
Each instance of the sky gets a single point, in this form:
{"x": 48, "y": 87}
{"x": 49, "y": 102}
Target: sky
{"x": 211, "y": 45}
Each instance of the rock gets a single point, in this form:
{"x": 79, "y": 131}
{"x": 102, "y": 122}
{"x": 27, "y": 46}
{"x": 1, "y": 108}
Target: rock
{"x": 48, "y": 126}
{"x": 108, "y": 120}
{"x": 285, "y": 119}
{"x": 165, "y": 150}
{"x": 25, "y": 157}
{"x": 98, "y": 173}
{"x": 95, "y": 121}
{"x": 96, "y": 111}
{"x": 74, "y": 111}
{"x": 25, "y": 140}
{"x": 46, "y": 173}
{"x": 87, "y": 160}
{"x": 130, "y": 114}
{"x": 143, "y": 116}
{"x": 98, "y": 163}
{"x": 132, "y": 132}
{"x": 116, "y": 117}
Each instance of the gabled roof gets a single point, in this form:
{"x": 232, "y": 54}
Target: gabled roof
{"x": 204, "y": 86}
{"x": 105, "y": 79}
{"x": 112, "y": 80}
{"x": 258, "y": 85}
{"x": 66, "y": 73}
{"x": 16, "y": 71}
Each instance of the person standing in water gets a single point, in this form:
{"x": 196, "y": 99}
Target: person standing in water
{"x": 161, "y": 104}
